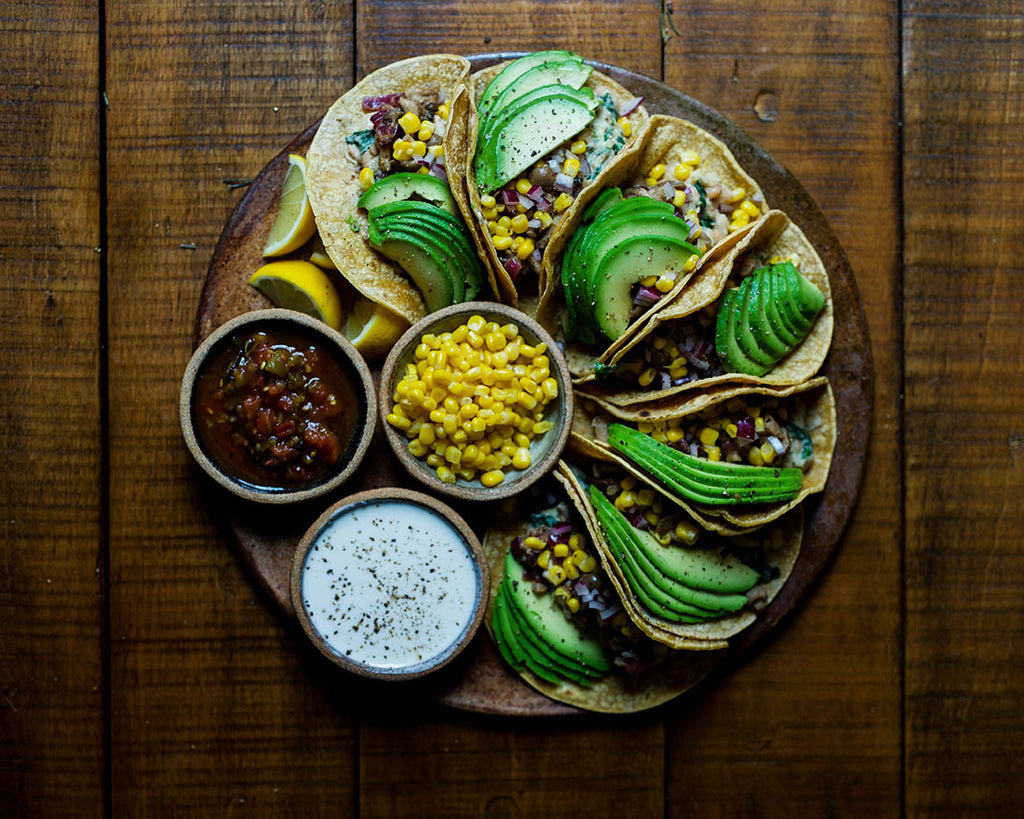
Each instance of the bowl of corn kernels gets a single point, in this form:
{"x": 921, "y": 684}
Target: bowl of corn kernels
{"x": 476, "y": 400}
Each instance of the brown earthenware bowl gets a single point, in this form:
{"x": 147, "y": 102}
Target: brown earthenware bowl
{"x": 378, "y": 593}
{"x": 544, "y": 449}
{"x": 337, "y": 347}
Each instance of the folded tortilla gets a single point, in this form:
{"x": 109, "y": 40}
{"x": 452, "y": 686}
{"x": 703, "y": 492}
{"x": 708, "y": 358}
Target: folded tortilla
{"x": 617, "y": 692}
{"x": 525, "y": 289}
{"x": 668, "y": 142}
{"x": 781, "y": 542}
{"x": 810, "y": 405}
{"x": 332, "y": 176}
{"x": 773, "y": 237}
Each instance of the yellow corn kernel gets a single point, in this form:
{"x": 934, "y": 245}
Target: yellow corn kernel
{"x": 560, "y": 550}
{"x": 571, "y": 166}
{"x": 533, "y": 542}
{"x": 628, "y": 482}
{"x": 416, "y": 448}
{"x": 674, "y": 435}
{"x": 652, "y": 518}
{"x": 521, "y": 459}
{"x": 754, "y": 456}
{"x": 708, "y": 436}
{"x": 664, "y": 539}
{"x": 425, "y": 131}
{"x": 544, "y": 218}
{"x": 502, "y": 242}
{"x": 555, "y": 574}
{"x": 656, "y": 172}
{"x": 682, "y": 171}
{"x": 665, "y": 283}
{"x": 751, "y": 208}
{"x": 519, "y": 223}
{"x": 562, "y": 593}
{"x": 646, "y": 377}
{"x": 768, "y": 453}
{"x": 523, "y": 185}
{"x": 492, "y": 478}
{"x": 488, "y": 201}
{"x": 679, "y": 199}
{"x": 758, "y": 423}
{"x": 366, "y": 178}
{"x": 714, "y": 453}
{"x": 423, "y": 170}
{"x": 401, "y": 150}
{"x": 691, "y": 158}
{"x": 645, "y": 497}
{"x": 426, "y": 435}
{"x": 573, "y": 603}
{"x": 578, "y": 147}
{"x": 525, "y": 248}
{"x": 445, "y": 474}
{"x": 442, "y": 110}
{"x": 625, "y": 500}
{"x": 419, "y": 148}
{"x": 625, "y": 125}
{"x": 691, "y": 263}
{"x": 562, "y": 202}
{"x": 686, "y": 532}
{"x": 410, "y": 122}
{"x": 398, "y": 421}
{"x": 737, "y": 195}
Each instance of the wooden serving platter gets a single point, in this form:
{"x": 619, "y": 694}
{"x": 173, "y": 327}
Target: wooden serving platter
{"x": 265, "y": 540}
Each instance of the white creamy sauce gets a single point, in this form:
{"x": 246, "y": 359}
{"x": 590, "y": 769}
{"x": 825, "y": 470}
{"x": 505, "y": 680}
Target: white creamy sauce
{"x": 390, "y": 585}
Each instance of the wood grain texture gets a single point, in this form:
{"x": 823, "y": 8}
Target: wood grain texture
{"x": 51, "y": 498}
{"x": 965, "y": 376}
{"x": 811, "y": 727}
{"x": 213, "y": 707}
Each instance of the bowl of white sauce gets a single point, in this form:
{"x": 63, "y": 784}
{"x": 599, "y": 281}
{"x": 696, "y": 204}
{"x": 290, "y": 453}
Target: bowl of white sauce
{"x": 390, "y": 584}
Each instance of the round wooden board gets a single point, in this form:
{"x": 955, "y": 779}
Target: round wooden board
{"x": 265, "y": 540}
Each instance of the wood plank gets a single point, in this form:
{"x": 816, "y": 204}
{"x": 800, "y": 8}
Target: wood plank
{"x": 812, "y": 725}
{"x": 51, "y": 548}
{"x": 213, "y": 702}
{"x": 965, "y": 376}
{"x": 454, "y": 767}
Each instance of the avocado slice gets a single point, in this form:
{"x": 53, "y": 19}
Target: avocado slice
{"x": 602, "y": 202}
{"x": 531, "y": 129}
{"x": 668, "y": 593}
{"x": 612, "y": 280}
{"x": 705, "y": 568}
{"x": 447, "y": 235}
{"x": 538, "y": 650}
{"x": 805, "y": 300}
{"x": 435, "y": 241}
{"x": 744, "y": 334}
{"x": 716, "y": 483}
{"x": 757, "y": 315}
{"x": 550, "y": 624}
{"x": 570, "y": 73}
{"x": 771, "y": 287}
{"x": 402, "y": 186}
{"x": 428, "y": 271}
{"x": 515, "y": 643}
{"x": 515, "y": 69}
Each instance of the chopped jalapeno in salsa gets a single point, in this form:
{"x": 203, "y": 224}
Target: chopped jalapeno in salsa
{"x": 275, "y": 409}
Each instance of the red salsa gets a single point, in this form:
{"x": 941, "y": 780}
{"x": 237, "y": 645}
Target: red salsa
{"x": 275, "y": 409}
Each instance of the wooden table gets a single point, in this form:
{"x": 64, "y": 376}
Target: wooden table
{"x": 142, "y": 673}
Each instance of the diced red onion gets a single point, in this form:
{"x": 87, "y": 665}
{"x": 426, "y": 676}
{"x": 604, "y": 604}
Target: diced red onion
{"x": 439, "y": 172}
{"x": 668, "y": 191}
{"x": 560, "y": 532}
{"x": 745, "y": 428}
{"x": 666, "y": 380}
{"x": 536, "y": 193}
{"x": 610, "y": 612}
{"x": 513, "y": 266}
{"x": 509, "y": 196}
{"x": 776, "y": 445}
{"x": 535, "y": 224}
{"x": 694, "y": 449}
{"x": 630, "y": 105}
{"x": 383, "y": 101}
{"x": 584, "y": 165}
{"x": 543, "y": 204}
{"x": 646, "y": 296}
{"x": 695, "y": 231}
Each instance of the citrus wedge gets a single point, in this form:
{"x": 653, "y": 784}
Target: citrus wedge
{"x": 294, "y": 225}
{"x": 374, "y": 329}
{"x": 298, "y": 285}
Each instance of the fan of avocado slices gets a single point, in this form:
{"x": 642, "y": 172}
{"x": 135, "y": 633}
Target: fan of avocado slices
{"x": 415, "y": 222}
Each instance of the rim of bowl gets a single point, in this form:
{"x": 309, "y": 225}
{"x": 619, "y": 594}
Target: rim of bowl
{"x": 555, "y": 439}
{"x": 348, "y": 354}
{"x": 392, "y": 495}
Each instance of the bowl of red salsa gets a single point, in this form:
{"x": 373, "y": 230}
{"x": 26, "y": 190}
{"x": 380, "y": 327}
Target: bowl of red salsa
{"x": 277, "y": 407}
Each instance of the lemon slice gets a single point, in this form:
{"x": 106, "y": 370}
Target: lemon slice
{"x": 374, "y": 329}
{"x": 302, "y": 286}
{"x": 294, "y": 225}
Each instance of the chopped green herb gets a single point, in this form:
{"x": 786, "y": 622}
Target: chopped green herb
{"x": 361, "y": 139}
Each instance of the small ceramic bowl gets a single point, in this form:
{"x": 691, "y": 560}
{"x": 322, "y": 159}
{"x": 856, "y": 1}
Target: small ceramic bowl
{"x": 260, "y": 438}
{"x": 545, "y": 449}
{"x": 390, "y": 584}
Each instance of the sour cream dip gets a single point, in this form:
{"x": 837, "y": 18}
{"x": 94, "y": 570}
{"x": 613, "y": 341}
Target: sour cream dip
{"x": 389, "y": 586}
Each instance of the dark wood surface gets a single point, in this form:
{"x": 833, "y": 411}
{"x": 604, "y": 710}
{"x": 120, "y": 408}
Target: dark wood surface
{"x": 143, "y": 673}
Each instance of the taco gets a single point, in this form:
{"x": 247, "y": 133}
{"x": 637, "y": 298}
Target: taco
{"x": 759, "y": 313}
{"x": 682, "y": 586}
{"x": 556, "y": 618}
{"x": 658, "y": 216}
{"x": 541, "y": 130}
{"x": 377, "y": 180}
{"x": 734, "y": 458}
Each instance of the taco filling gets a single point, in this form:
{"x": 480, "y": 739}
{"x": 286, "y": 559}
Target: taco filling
{"x": 556, "y": 615}
{"x": 520, "y": 216}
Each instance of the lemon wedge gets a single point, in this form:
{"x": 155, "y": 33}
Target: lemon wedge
{"x": 374, "y": 329}
{"x": 294, "y": 225}
{"x": 299, "y": 285}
